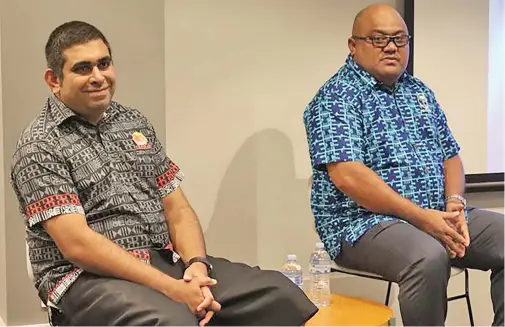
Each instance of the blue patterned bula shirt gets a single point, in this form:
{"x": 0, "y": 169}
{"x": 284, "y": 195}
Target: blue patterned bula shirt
{"x": 402, "y": 135}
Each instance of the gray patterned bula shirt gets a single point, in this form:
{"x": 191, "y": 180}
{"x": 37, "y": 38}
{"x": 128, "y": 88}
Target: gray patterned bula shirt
{"x": 114, "y": 173}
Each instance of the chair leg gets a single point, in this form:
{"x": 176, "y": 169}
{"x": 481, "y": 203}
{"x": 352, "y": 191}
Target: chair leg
{"x": 386, "y": 302}
{"x": 467, "y": 296}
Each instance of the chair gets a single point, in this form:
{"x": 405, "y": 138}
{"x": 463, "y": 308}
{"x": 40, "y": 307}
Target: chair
{"x": 29, "y": 269}
{"x": 28, "y": 263}
{"x": 454, "y": 272}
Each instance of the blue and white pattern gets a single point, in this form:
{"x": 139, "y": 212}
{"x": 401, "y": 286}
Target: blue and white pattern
{"x": 401, "y": 134}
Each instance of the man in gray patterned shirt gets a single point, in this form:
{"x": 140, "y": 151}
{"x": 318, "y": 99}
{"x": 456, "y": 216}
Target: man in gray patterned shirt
{"x": 112, "y": 237}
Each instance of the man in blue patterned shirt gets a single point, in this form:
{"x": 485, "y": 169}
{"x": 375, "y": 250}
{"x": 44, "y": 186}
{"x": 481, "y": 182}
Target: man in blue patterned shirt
{"x": 388, "y": 183}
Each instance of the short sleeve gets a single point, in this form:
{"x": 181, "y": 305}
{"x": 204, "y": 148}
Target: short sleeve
{"x": 168, "y": 174}
{"x": 42, "y": 183}
{"x": 450, "y": 146}
{"x": 334, "y": 127}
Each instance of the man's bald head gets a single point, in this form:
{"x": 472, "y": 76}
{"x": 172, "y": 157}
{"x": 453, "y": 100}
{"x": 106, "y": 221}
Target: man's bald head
{"x": 373, "y": 14}
{"x": 379, "y": 42}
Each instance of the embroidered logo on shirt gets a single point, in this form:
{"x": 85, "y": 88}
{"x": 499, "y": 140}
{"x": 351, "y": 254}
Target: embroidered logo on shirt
{"x": 141, "y": 141}
{"x": 423, "y": 102}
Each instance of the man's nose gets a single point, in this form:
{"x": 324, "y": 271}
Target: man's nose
{"x": 96, "y": 76}
{"x": 390, "y": 47}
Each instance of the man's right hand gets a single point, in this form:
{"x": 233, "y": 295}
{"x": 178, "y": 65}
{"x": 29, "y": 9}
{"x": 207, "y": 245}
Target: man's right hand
{"x": 190, "y": 292}
{"x": 435, "y": 224}
{"x": 209, "y": 306}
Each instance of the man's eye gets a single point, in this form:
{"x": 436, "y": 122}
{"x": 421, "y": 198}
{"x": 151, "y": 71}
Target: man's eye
{"x": 379, "y": 38}
{"x": 104, "y": 65}
{"x": 82, "y": 69}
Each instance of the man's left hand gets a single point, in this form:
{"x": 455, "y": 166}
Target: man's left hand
{"x": 458, "y": 223}
{"x": 196, "y": 270}
{"x": 209, "y": 306}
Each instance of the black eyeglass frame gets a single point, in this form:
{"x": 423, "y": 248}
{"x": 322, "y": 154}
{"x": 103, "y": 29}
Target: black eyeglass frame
{"x": 388, "y": 39}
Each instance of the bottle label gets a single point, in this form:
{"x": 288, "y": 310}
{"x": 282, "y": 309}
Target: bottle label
{"x": 298, "y": 280}
{"x": 319, "y": 269}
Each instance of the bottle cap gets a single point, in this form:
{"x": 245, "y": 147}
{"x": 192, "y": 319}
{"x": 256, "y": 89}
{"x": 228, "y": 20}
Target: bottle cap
{"x": 319, "y": 245}
{"x": 291, "y": 257}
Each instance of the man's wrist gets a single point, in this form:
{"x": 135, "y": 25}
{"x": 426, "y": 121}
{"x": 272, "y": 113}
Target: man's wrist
{"x": 200, "y": 266}
{"x": 168, "y": 286}
{"x": 417, "y": 216}
{"x": 202, "y": 262}
{"x": 455, "y": 198}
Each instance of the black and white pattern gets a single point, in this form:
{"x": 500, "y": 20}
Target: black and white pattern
{"x": 114, "y": 173}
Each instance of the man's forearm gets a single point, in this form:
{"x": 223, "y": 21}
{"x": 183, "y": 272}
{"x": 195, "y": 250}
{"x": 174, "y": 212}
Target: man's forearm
{"x": 186, "y": 233}
{"x": 454, "y": 176}
{"x": 363, "y": 186}
{"x": 96, "y": 254}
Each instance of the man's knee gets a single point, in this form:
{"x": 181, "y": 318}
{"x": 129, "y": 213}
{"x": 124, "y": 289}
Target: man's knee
{"x": 282, "y": 288}
{"x": 432, "y": 266}
{"x": 287, "y": 298}
{"x": 278, "y": 281}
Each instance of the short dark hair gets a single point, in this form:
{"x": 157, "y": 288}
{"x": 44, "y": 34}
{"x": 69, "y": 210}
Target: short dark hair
{"x": 67, "y": 35}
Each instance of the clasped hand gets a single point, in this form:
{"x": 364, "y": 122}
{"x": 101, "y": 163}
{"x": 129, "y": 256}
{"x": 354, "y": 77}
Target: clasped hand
{"x": 450, "y": 228}
{"x": 459, "y": 224}
{"x": 202, "y": 302}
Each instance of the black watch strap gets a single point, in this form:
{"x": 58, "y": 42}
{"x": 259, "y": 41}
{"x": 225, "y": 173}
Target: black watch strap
{"x": 203, "y": 260}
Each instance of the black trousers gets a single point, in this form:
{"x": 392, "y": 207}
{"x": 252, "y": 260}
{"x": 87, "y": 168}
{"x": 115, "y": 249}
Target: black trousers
{"x": 248, "y": 296}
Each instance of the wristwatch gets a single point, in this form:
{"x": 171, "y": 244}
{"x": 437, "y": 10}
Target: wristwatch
{"x": 202, "y": 260}
{"x": 457, "y": 197}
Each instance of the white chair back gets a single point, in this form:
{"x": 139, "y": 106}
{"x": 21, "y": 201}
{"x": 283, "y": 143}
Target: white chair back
{"x": 28, "y": 263}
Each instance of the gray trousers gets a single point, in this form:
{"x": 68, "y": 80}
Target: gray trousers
{"x": 421, "y": 266}
{"x": 248, "y": 296}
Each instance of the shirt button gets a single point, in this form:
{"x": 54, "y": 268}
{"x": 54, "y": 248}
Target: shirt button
{"x": 426, "y": 169}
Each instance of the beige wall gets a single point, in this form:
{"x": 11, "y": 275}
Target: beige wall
{"x": 140, "y": 62}
{"x": 463, "y": 90}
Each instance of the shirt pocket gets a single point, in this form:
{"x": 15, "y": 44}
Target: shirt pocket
{"x": 425, "y": 139}
{"x": 144, "y": 156}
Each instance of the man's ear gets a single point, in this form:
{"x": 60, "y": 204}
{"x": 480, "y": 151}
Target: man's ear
{"x": 52, "y": 80}
{"x": 351, "y": 43}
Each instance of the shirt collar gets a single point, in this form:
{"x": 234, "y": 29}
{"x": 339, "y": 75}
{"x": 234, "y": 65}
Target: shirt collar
{"x": 365, "y": 76}
{"x": 60, "y": 112}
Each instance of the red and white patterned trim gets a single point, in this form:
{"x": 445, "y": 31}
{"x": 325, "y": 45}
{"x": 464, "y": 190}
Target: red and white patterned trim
{"x": 169, "y": 180}
{"x": 55, "y": 294}
{"x": 45, "y": 215}
{"x": 143, "y": 255}
{"x": 51, "y": 206}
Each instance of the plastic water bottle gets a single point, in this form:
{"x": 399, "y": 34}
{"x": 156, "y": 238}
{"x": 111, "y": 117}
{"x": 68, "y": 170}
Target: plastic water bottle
{"x": 293, "y": 270}
{"x": 319, "y": 270}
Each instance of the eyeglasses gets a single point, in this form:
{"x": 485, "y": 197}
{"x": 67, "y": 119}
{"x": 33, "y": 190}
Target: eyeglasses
{"x": 382, "y": 41}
